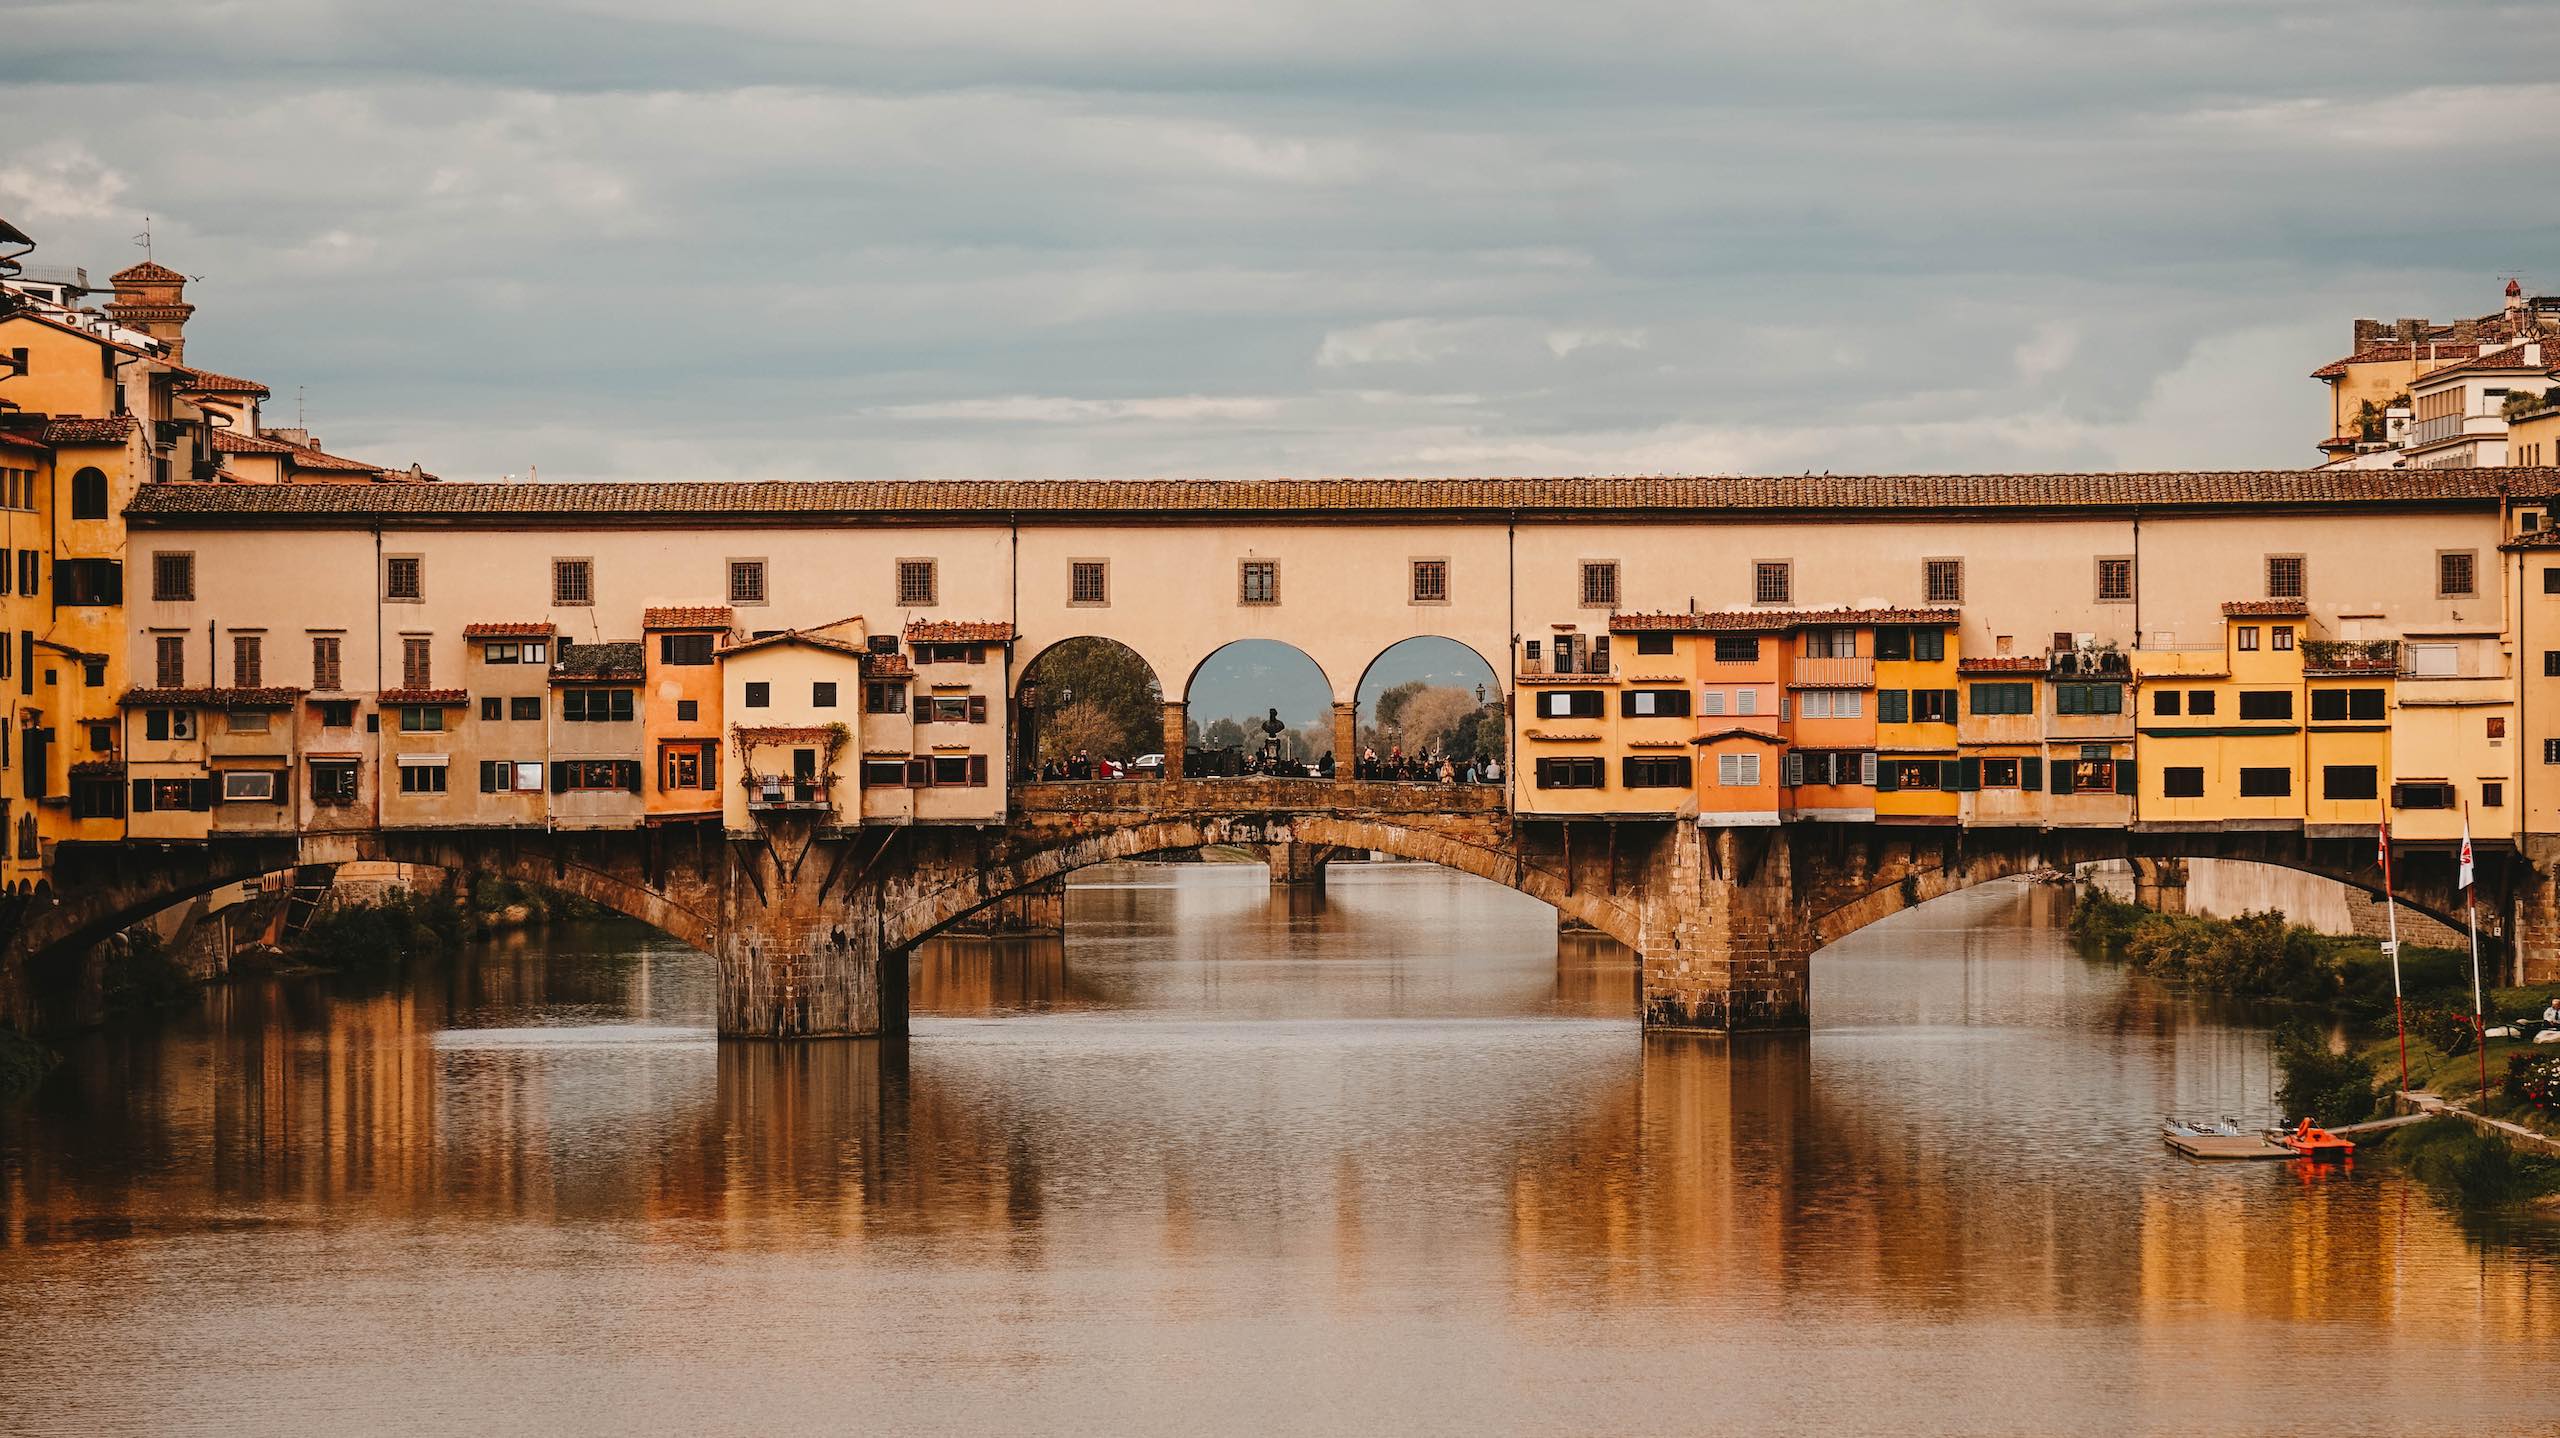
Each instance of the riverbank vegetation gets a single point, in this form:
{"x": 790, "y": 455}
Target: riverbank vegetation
{"x": 23, "y": 1064}
{"x": 2471, "y": 1168}
{"x": 2262, "y": 956}
{"x": 404, "y": 925}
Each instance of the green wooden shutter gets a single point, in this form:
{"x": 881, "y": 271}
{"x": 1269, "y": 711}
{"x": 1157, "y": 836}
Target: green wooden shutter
{"x": 560, "y": 777}
{"x": 142, "y": 796}
{"x": 1968, "y": 775}
{"x": 630, "y": 772}
{"x": 2063, "y": 773}
{"x": 1893, "y": 706}
{"x": 1949, "y": 775}
{"x": 1886, "y": 782}
{"x": 2031, "y": 772}
{"x": 2124, "y": 776}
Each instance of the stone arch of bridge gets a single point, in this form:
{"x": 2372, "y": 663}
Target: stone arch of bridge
{"x": 1925, "y": 872}
{"x": 106, "y": 904}
{"x": 912, "y": 917}
{"x": 1483, "y": 672}
{"x": 1032, "y": 710}
{"x": 1321, "y": 689}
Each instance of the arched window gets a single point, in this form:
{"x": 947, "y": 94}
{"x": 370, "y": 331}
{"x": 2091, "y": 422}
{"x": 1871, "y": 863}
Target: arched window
{"x": 89, "y": 494}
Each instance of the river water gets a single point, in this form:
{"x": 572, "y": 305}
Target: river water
{"x": 1395, "y": 1160}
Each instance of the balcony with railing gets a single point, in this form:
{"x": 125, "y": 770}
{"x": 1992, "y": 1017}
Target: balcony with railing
{"x": 1856, "y": 671}
{"x": 777, "y": 793}
{"x": 2350, "y": 656}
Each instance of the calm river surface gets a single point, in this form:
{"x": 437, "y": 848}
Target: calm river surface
{"x": 1394, "y": 1161}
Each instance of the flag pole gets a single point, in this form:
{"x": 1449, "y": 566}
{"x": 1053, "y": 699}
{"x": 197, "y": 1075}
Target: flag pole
{"x": 2391, "y": 910}
{"x": 2471, "y": 907}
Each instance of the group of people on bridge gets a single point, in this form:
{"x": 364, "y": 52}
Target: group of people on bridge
{"x": 1426, "y": 768}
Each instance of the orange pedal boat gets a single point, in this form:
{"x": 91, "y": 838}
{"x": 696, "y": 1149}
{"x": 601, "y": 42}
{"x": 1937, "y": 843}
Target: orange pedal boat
{"x": 2311, "y": 1141}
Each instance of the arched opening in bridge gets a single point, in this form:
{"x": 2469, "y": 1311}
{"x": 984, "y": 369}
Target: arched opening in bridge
{"x": 1258, "y": 706}
{"x": 1088, "y": 708}
{"x": 1424, "y": 700}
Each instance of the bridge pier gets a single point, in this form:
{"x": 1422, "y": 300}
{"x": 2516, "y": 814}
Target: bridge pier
{"x": 799, "y": 945}
{"x": 1038, "y": 911}
{"x": 1295, "y": 864}
{"x": 2160, "y": 885}
{"x": 1722, "y": 942}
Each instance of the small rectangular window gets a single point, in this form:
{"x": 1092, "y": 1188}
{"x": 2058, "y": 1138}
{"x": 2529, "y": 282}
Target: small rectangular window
{"x": 2245, "y": 639}
{"x": 1655, "y": 772}
{"x": 1739, "y": 771}
{"x": 2348, "y": 781}
{"x": 884, "y": 773}
{"x": 1599, "y": 584}
{"x": 2493, "y": 794}
{"x": 2115, "y": 580}
{"x": 417, "y": 662}
{"x": 2365, "y": 704}
{"x": 1579, "y": 773}
{"x": 1772, "y": 581}
{"x": 2182, "y": 782}
{"x": 492, "y": 708}
{"x": 1737, "y": 648}
{"x": 1088, "y": 582}
{"x": 2164, "y": 702}
{"x": 688, "y": 711}
{"x": 684, "y": 649}
{"x": 759, "y": 694}
{"x": 248, "y": 661}
{"x": 2456, "y": 576}
{"x": 1258, "y": 581}
{"x": 746, "y": 581}
{"x": 822, "y": 694}
{"x": 528, "y": 706}
{"x": 1654, "y": 703}
{"x": 1653, "y": 644}
{"x": 2551, "y": 579}
{"x": 404, "y": 577}
{"x": 2269, "y": 783}
{"x": 2266, "y": 704}
{"x": 2280, "y": 637}
{"x": 917, "y": 588}
{"x": 173, "y": 576}
{"x": 2329, "y": 705}
{"x": 1431, "y": 581}
{"x": 1942, "y": 580}
{"x": 421, "y": 719}
{"x": 573, "y": 581}
{"x": 884, "y": 696}
{"x": 2285, "y": 576}
{"x": 2201, "y": 702}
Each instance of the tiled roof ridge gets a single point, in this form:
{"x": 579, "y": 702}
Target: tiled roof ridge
{"x": 2512, "y": 357}
{"x": 261, "y": 697}
{"x": 87, "y": 429}
{"x": 423, "y": 696}
{"x": 693, "y": 501}
{"x": 509, "y": 629}
{"x": 2266, "y": 608}
{"x": 2002, "y": 664}
{"x": 205, "y": 381}
{"x": 1763, "y": 620}
{"x": 687, "y": 616}
{"x": 149, "y": 272}
{"x": 959, "y": 631}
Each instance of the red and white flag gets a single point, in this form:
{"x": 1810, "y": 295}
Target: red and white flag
{"x": 2464, "y": 882}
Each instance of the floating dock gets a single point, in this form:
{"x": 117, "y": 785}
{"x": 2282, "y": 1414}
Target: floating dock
{"x": 2237, "y": 1145}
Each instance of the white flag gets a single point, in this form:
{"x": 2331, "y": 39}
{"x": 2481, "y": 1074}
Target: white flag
{"x": 2464, "y": 881}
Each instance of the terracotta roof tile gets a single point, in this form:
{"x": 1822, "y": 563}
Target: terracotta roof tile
{"x": 2002, "y": 664}
{"x": 1768, "y": 621}
{"x": 207, "y": 698}
{"x": 434, "y": 698}
{"x": 2266, "y": 609}
{"x": 2512, "y": 357}
{"x": 509, "y": 629}
{"x": 687, "y": 616}
{"x": 149, "y": 272}
{"x": 792, "y": 636}
{"x": 959, "y": 631}
{"x": 227, "y": 441}
{"x": 79, "y": 429}
{"x": 695, "y": 502}
{"x": 207, "y": 382}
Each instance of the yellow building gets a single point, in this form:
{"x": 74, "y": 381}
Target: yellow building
{"x": 1917, "y": 704}
{"x": 2222, "y": 739}
{"x": 791, "y": 698}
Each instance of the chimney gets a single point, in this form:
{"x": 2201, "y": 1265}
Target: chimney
{"x": 152, "y": 298}
{"x": 2515, "y": 300}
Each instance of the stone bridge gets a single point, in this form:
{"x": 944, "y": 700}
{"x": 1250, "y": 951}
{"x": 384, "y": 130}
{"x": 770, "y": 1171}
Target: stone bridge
{"x": 810, "y": 925}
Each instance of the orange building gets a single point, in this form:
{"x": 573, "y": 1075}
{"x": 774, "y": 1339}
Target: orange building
{"x": 681, "y": 710}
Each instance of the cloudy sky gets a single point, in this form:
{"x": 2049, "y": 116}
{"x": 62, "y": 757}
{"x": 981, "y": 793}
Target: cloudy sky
{"x": 803, "y": 238}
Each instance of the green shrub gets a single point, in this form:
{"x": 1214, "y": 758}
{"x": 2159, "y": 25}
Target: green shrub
{"x": 2472, "y": 1168}
{"x": 139, "y": 976}
{"x": 2451, "y": 1033}
{"x": 2328, "y": 1088}
{"x": 362, "y": 935}
{"x": 23, "y": 1063}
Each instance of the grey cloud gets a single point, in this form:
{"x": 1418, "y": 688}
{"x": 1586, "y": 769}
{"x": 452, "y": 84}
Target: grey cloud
{"x": 640, "y": 241}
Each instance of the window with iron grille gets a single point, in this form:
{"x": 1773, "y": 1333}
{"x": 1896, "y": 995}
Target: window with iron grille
{"x": 1431, "y": 581}
{"x": 1258, "y": 581}
{"x": 1943, "y": 580}
{"x": 1737, "y": 648}
{"x": 324, "y": 661}
{"x": 404, "y": 577}
{"x": 173, "y": 576}
{"x": 417, "y": 664}
{"x": 916, "y": 586}
{"x": 573, "y": 581}
{"x": 746, "y": 581}
{"x": 2115, "y": 581}
{"x": 1600, "y": 586}
{"x": 1772, "y": 581}
{"x": 169, "y": 653}
{"x": 2456, "y": 574}
{"x": 248, "y": 661}
{"x": 1088, "y": 581}
{"x": 2284, "y": 576}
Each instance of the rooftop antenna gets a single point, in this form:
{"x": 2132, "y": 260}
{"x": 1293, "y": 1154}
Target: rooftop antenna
{"x": 298, "y": 421}
{"x": 144, "y": 239}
